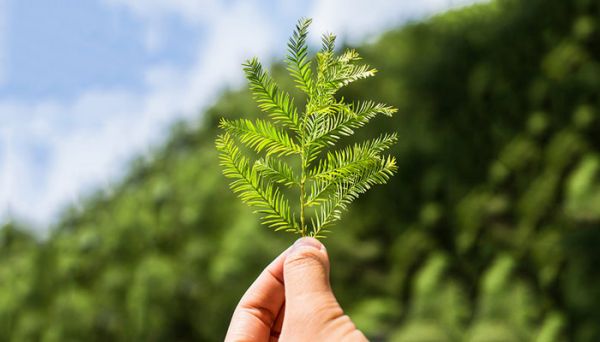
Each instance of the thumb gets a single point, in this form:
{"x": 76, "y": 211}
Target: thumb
{"x": 308, "y": 295}
{"x": 306, "y": 270}
{"x": 311, "y": 311}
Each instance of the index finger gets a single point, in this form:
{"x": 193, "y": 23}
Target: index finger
{"x": 256, "y": 312}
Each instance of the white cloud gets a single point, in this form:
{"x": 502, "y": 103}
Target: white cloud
{"x": 155, "y": 12}
{"x": 193, "y": 12}
{"x": 53, "y": 152}
{"x": 355, "y": 20}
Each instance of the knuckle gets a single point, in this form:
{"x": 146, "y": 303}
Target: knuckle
{"x": 305, "y": 257}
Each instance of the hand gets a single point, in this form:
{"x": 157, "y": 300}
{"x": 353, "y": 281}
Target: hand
{"x": 291, "y": 300}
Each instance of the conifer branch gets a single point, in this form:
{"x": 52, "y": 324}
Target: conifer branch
{"x": 299, "y": 153}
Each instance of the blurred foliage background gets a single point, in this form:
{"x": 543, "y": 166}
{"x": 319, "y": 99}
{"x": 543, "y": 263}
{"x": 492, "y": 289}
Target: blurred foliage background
{"x": 488, "y": 233}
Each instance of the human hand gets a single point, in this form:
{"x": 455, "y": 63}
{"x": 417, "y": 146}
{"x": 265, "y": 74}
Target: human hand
{"x": 291, "y": 300}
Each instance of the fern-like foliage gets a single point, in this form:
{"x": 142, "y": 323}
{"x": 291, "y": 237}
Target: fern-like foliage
{"x": 297, "y": 152}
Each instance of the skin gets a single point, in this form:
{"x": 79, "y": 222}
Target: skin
{"x": 291, "y": 300}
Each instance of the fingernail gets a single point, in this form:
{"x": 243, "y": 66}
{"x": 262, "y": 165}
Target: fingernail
{"x": 308, "y": 242}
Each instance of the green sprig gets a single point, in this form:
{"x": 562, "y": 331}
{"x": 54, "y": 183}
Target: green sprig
{"x": 297, "y": 150}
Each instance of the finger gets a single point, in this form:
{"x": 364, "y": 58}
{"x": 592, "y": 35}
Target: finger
{"x": 256, "y": 312}
{"x": 276, "y": 329}
{"x": 309, "y": 299}
{"x": 306, "y": 269}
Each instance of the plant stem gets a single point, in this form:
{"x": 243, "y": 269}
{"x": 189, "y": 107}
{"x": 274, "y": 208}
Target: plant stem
{"x": 302, "y": 204}
{"x": 303, "y": 172}
{"x": 302, "y": 180}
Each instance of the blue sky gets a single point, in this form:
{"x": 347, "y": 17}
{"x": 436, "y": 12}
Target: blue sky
{"x": 87, "y": 85}
{"x": 57, "y": 49}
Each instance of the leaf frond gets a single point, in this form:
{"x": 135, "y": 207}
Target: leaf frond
{"x": 328, "y": 43}
{"x": 251, "y": 188}
{"x": 277, "y": 171}
{"x": 334, "y": 73}
{"x": 350, "y": 159}
{"x": 261, "y": 135}
{"x": 278, "y": 104}
{"x": 297, "y": 60}
{"x": 347, "y": 191}
{"x": 325, "y": 130}
{"x": 344, "y": 165}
